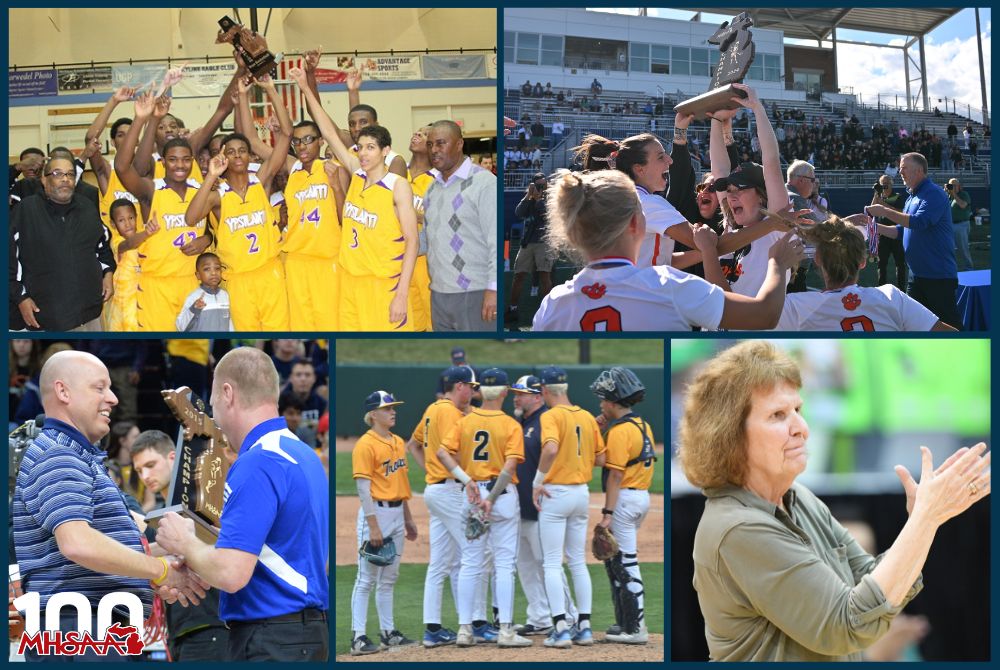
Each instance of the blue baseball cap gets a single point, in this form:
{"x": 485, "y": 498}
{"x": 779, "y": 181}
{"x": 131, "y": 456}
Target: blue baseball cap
{"x": 529, "y": 384}
{"x": 460, "y": 373}
{"x": 494, "y": 377}
{"x": 380, "y": 399}
{"x": 457, "y": 355}
{"x": 552, "y": 375}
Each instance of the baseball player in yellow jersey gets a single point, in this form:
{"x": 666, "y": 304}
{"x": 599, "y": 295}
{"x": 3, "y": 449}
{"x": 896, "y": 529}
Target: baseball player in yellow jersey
{"x": 170, "y": 241}
{"x": 312, "y": 239}
{"x": 571, "y": 448}
{"x": 488, "y": 445}
{"x": 378, "y": 246}
{"x": 420, "y": 177}
{"x": 629, "y": 468}
{"x": 443, "y": 496}
{"x": 247, "y": 238}
{"x": 379, "y": 466}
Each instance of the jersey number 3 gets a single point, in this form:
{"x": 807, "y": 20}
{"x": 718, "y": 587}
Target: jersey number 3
{"x": 601, "y": 319}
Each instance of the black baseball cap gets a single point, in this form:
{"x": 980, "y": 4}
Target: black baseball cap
{"x": 460, "y": 373}
{"x": 745, "y": 174}
{"x": 552, "y": 375}
{"x": 494, "y": 377}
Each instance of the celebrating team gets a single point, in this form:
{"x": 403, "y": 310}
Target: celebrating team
{"x": 527, "y": 478}
{"x": 304, "y": 243}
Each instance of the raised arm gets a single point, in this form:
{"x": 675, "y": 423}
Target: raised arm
{"x": 243, "y": 121}
{"x": 102, "y": 169}
{"x": 777, "y": 194}
{"x": 207, "y": 198}
{"x": 327, "y": 127}
{"x": 144, "y": 163}
{"x": 354, "y": 79}
{"x": 125, "y": 160}
{"x": 202, "y": 136}
{"x": 282, "y": 139}
{"x": 720, "y": 137}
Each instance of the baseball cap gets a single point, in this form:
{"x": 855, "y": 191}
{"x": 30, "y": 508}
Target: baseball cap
{"x": 529, "y": 384}
{"x": 380, "y": 399}
{"x": 493, "y": 377}
{"x": 552, "y": 375}
{"x": 459, "y": 373}
{"x": 745, "y": 174}
{"x": 537, "y": 176}
{"x": 457, "y": 355}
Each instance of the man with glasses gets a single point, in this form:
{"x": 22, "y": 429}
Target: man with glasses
{"x": 312, "y": 239}
{"x": 801, "y": 178}
{"x": 61, "y": 264}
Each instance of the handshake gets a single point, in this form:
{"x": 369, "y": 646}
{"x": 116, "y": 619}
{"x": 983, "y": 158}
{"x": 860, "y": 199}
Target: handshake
{"x": 178, "y": 583}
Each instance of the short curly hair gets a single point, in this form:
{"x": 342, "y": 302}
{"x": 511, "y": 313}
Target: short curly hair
{"x": 712, "y": 444}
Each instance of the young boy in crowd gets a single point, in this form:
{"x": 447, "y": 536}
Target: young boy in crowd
{"x": 206, "y": 309}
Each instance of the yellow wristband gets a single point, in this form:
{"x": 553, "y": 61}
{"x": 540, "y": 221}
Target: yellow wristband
{"x": 163, "y": 575}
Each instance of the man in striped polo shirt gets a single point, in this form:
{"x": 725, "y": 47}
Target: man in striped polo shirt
{"x": 271, "y": 556}
{"x": 72, "y": 530}
{"x": 460, "y": 219}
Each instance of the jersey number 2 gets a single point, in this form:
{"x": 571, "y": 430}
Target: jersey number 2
{"x": 848, "y": 324}
{"x": 482, "y": 439}
{"x": 253, "y": 243}
{"x": 601, "y": 319}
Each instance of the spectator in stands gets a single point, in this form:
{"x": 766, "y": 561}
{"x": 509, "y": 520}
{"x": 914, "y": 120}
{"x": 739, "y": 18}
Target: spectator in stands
{"x": 961, "y": 213}
{"x": 967, "y": 133}
{"x": 30, "y": 405}
{"x": 561, "y": 97}
{"x": 536, "y": 158}
{"x": 284, "y": 354}
{"x": 526, "y": 89}
{"x": 548, "y": 89}
{"x": 952, "y": 133}
{"x": 595, "y": 87}
{"x": 800, "y": 179}
{"x": 558, "y": 128}
{"x": 537, "y": 132}
{"x": 928, "y": 239}
{"x": 957, "y": 162}
{"x": 486, "y": 162}
{"x": 60, "y": 261}
{"x": 647, "y": 108}
{"x": 889, "y": 247}
{"x": 301, "y": 385}
{"x": 537, "y": 91}
{"x": 509, "y": 161}
{"x": 973, "y": 152}
{"x": 937, "y": 113}
{"x": 534, "y": 254}
{"x": 125, "y": 361}
{"x": 22, "y": 365}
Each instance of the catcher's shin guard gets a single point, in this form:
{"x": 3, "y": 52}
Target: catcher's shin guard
{"x": 615, "y": 588}
{"x": 627, "y": 601}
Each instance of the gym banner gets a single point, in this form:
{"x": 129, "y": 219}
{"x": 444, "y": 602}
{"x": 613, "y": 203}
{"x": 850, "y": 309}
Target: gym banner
{"x": 455, "y": 67}
{"x": 31, "y": 83}
{"x": 84, "y": 79}
{"x": 137, "y": 76}
{"x": 381, "y": 68}
{"x": 491, "y": 65}
{"x": 205, "y": 80}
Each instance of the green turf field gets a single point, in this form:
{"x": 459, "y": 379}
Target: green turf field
{"x": 535, "y": 352}
{"x": 409, "y": 602}
{"x": 345, "y": 483}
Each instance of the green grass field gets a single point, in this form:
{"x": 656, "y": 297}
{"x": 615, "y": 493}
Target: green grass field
{"x": 409, "y": 602}
{"x": 535, "y": 352}
{"x": 345, "y": 483}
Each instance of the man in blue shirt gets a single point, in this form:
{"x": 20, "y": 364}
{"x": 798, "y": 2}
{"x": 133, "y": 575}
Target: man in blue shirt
{"x": 271, "y": 556}
{"x": 72, "y": 530}
{"x": 928, "y": 240}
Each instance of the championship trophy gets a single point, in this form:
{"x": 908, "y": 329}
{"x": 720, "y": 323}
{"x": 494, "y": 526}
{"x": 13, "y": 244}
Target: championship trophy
{"x": 251, "y": 47}
{"x": 737, "y": 47}
{"x": 201, "y": 465}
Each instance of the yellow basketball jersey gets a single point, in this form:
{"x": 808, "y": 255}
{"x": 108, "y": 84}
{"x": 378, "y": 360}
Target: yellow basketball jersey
{"x": 483, "y": 440}
{"x": 313, "y": 227}
{"x": 372, "y": 241}
{"x": 160, "y": 255}
{"x": 624, "y": 442}
{"x": 438, "y": 420}
{"x": 160, "y": 172}
{"x": 383, "y": 462}
{"x": 115, "y": 191}
{"x": 419, "y": 185}
{"x": 246, "y": 237}
{"x": 579, "y": 439}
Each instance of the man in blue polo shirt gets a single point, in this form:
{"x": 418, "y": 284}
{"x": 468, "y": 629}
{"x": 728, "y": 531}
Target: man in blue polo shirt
{"x": 72, "y": 530}
{"x": 928, "y": 239}
{"x": 271, "y": 556}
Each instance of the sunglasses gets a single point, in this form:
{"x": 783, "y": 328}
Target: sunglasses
{"x": 710, "y": 186}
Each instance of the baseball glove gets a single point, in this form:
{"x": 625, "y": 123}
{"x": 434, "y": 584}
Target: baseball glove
{"x": 476, "y": 524}
{"x": 604, "y": 545}
{"x": 382, "y": 556}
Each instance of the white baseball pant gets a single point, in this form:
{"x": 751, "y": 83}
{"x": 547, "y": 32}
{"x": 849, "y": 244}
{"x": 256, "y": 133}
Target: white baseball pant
{"x": 532, "y": 576}
{"x": 562, "y": 526}
{"x": 390, "y": 523}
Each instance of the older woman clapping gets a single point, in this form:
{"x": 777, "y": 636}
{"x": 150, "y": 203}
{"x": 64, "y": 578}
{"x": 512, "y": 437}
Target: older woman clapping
{"x": 778, "y": 578}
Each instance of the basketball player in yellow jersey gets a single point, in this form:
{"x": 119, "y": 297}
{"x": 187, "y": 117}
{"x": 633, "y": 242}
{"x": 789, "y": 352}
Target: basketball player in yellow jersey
{"x": 443, "y": 496}
{"x": 152, "y": 148}
{"x": 247, "y": 238}
{"x": 571, "y": 447}
{"x": 378, "y": 246}
{"x": 312, "y": 239}
{"x": 167, "y": 250}
{"x": 420, "y": 177}
{"x": 488, "y": 445}
{"x": 379, "y": 466}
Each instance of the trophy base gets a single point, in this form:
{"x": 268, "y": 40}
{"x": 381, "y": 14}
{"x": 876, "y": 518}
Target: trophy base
{"x": 203, "y": 530}
{"x": 712, "y": 101}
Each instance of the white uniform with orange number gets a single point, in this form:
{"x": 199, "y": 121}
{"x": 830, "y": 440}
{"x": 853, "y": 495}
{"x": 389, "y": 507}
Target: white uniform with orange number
{"x": 564, "y": 514}
{"x": 855, "y": 308}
